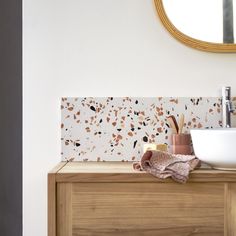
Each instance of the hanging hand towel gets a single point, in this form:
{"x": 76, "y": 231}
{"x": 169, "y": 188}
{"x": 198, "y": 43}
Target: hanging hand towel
{"x": 164, "y": 165}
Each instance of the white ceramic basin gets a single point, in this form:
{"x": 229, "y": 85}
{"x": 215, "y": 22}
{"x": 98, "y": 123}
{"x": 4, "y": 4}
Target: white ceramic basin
{"x": 216, "y": 147}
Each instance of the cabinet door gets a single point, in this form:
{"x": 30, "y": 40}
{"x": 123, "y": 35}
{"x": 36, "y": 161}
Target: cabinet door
{"x": 140, "y": 209}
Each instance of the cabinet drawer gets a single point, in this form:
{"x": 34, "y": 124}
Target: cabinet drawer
{"x": 140, "y": 209}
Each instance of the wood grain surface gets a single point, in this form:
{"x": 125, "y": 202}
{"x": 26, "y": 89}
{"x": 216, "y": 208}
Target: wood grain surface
{"x": 64, "y": 209}
{"x": 110, "y": 198}
{"x": 123, "y": 172}
{"x": 230, "y": 209}
{"x": 140, "y": 209}
{"x": 52, "y": 198}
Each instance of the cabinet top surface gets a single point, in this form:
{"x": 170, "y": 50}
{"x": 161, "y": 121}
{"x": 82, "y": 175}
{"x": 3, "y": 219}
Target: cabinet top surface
{"x": 121, "y": 167}
{"x": 123, "y": 172}
{"x": 98, "y": 167}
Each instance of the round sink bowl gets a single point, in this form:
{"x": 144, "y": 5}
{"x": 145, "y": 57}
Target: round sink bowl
{"x": 216, "y": 147}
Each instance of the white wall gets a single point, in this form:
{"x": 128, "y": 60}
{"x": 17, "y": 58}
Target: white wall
{"x": 98, "y": 48}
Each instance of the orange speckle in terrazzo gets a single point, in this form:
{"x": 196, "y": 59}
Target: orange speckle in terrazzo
{"x": 159, "y": 129}
{"x": 130, "y": 134}
{"x": 88, "y": 129}
{"x": 174, "y": 101}
{"x": 199, "y": 125}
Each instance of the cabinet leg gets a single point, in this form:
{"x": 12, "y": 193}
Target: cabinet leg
{"x": 51, "y": 204}
{"x": 230, "y": 209}
{"x": 64, "y": 209}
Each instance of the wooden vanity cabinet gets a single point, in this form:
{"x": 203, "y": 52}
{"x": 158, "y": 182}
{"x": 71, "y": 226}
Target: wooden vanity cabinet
{"x": 109, "y": 198}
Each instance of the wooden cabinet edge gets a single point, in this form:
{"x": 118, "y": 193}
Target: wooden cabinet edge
{"x": 64, "y": 209}
{"x": 58, "y": 167}
{"x": 52, "y": 198}
{"x": 230, "y": 209}
{"x": 51, "y": 204}
{"x": 137, "y": 178}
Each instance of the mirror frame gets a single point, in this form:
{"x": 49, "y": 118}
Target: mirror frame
{"x": 187, "y": 40}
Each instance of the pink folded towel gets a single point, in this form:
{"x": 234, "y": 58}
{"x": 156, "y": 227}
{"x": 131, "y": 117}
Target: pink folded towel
{"x": 164, "y": 165}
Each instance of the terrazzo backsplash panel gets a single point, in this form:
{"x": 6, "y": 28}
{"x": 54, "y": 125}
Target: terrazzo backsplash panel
{"x": 115, "y": 128}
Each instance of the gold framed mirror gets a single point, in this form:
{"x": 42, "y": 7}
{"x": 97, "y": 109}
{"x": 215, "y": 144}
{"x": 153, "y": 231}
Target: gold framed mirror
{"x": 189, "y": 40}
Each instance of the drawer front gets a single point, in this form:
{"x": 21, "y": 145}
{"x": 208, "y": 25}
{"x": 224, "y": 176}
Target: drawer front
{"x": 140, "y": 209}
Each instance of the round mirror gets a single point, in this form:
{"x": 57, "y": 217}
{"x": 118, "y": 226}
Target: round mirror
{"x": 208, "y": 25}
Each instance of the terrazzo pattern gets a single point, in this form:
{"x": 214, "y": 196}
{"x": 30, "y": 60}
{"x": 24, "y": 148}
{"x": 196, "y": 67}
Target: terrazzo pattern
{"x": 114, "y": 129}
